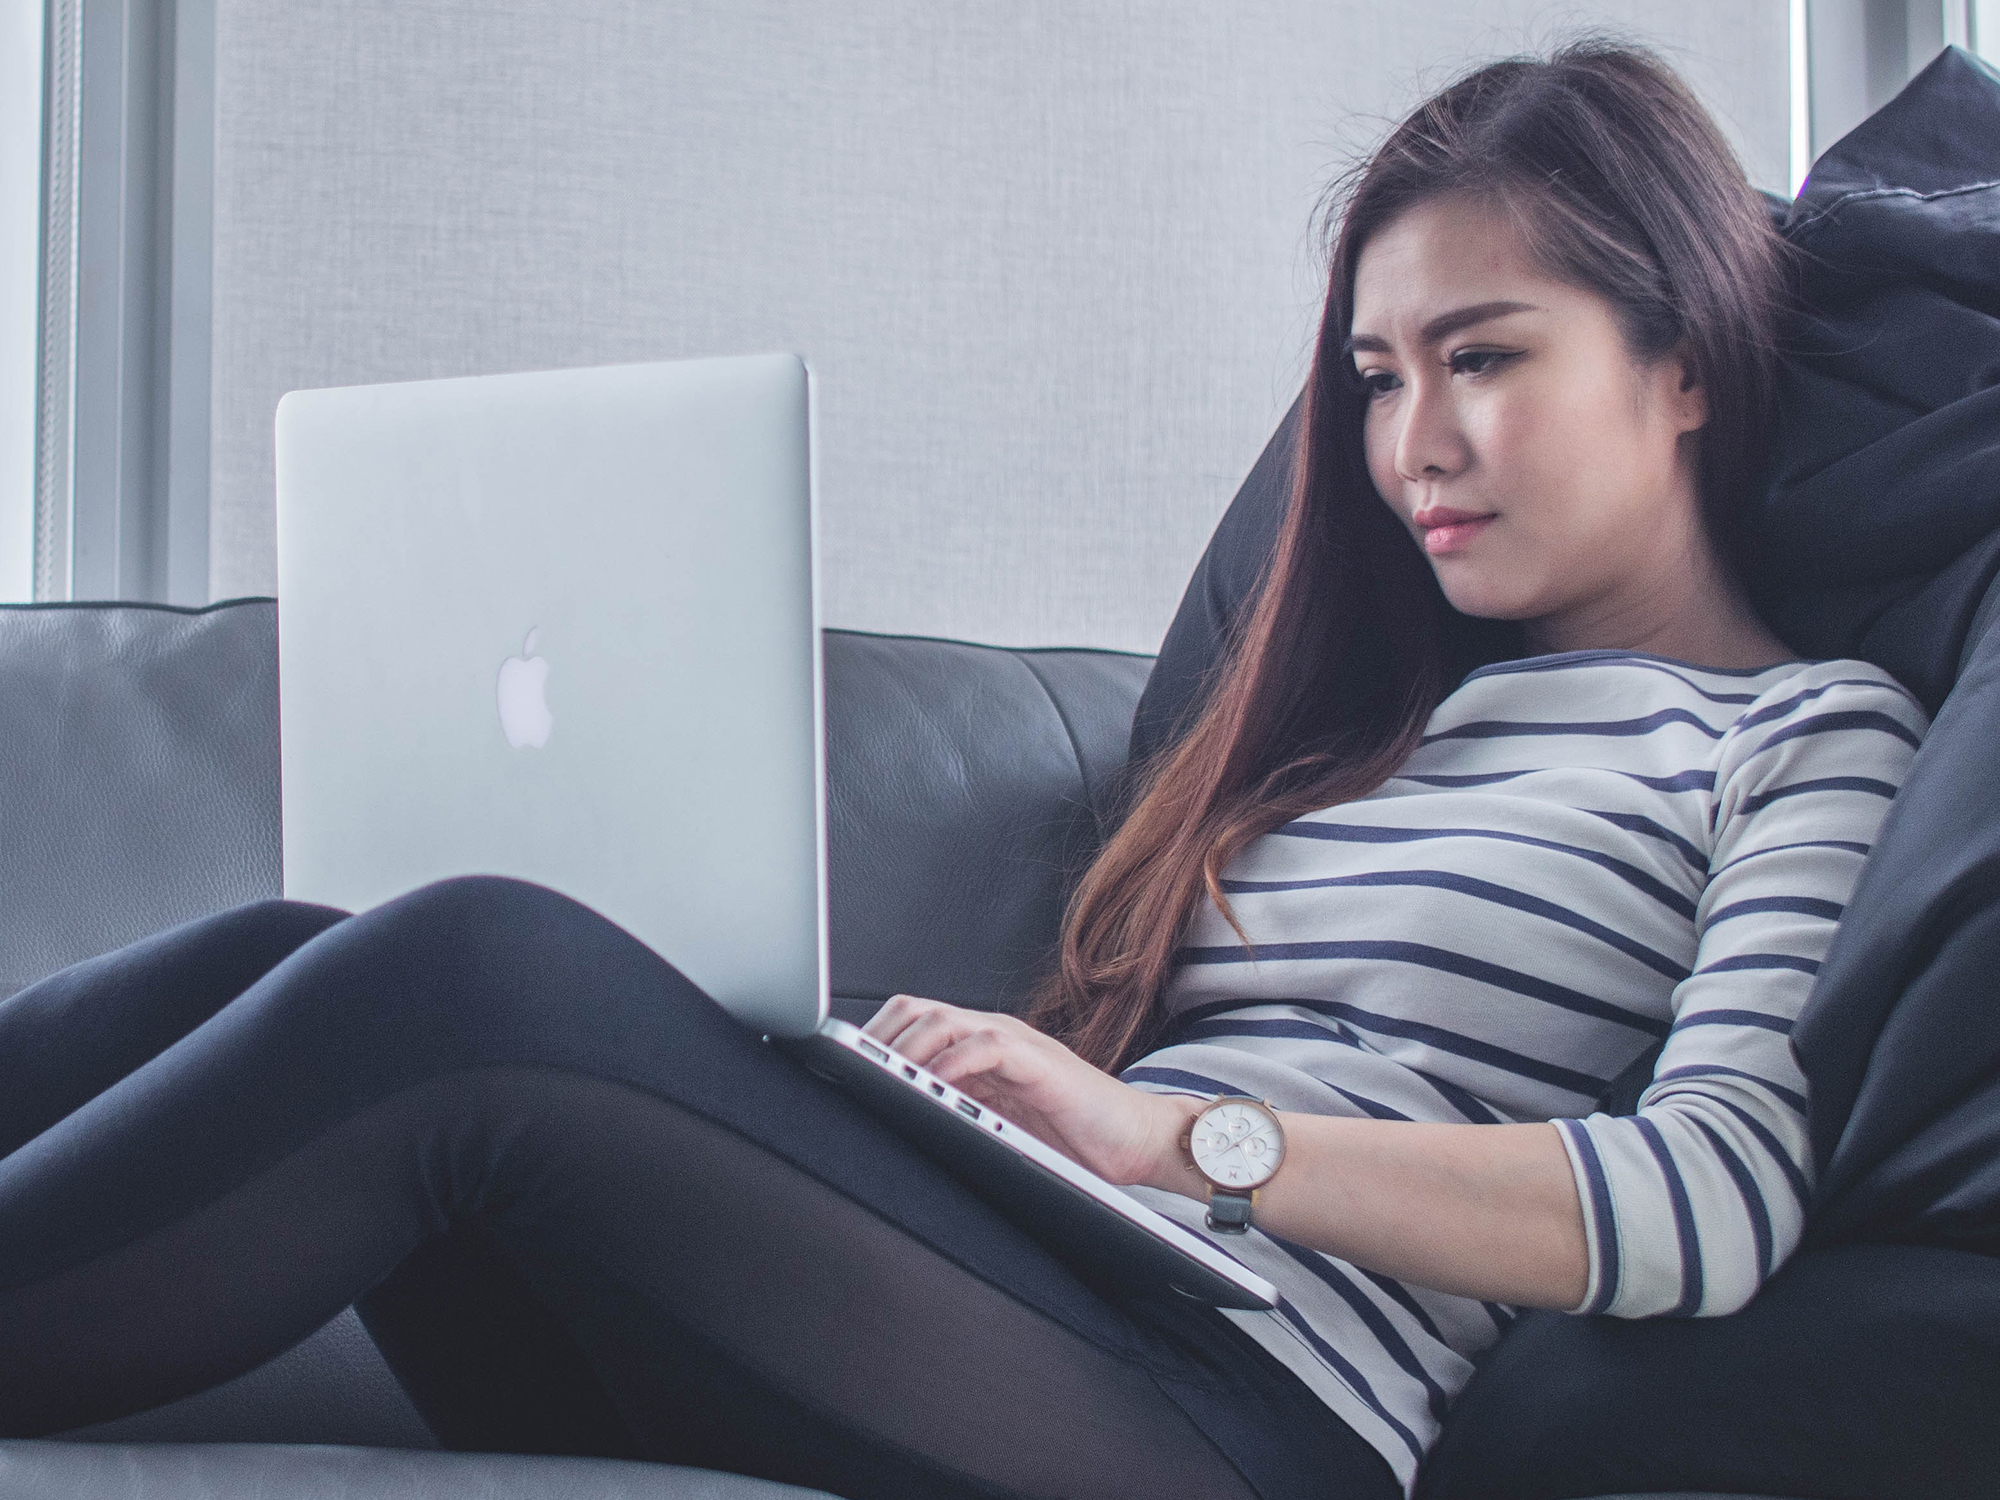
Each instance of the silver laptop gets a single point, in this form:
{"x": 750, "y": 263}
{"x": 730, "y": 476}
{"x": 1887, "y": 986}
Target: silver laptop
{"x": 564, "y": 626}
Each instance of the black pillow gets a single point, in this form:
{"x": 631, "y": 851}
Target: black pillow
{"x": 1866, "y": 1372}
{"x": 1228, "y": 571}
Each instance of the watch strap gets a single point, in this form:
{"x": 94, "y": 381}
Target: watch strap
{"x": 1229, "y": 1212}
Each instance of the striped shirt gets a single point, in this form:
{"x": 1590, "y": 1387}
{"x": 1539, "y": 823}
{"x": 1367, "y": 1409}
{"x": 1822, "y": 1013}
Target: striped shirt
{"x": 1588, "y": 854}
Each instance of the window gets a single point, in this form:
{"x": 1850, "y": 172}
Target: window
{"x": 20, "y": 284}
{"x": 1851, "y": 56}
{"x": 120, "y": 154}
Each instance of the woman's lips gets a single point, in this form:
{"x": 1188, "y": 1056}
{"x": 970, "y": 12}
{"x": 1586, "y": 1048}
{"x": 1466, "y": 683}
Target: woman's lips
{"x": 1447, "y": 530}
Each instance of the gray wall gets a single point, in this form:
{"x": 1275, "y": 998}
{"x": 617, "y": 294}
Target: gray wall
{"x": 1050, "y": 257}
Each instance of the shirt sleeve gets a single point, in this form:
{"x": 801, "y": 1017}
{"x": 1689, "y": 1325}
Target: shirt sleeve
{"x": 1692, "y": 1201}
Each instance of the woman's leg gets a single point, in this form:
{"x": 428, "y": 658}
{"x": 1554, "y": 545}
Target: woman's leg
{"x": 67, "y": 1038}
{"x": 750, "y": 1271}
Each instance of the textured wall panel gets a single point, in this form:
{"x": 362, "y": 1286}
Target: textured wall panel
{"x": 1050, "y": 258}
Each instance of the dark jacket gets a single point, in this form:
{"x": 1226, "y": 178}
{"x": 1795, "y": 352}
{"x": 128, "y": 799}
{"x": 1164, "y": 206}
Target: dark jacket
{"x": 1871, "y": 1364}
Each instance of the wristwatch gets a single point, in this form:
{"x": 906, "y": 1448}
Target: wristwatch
{"x": 1238, "y": 1145}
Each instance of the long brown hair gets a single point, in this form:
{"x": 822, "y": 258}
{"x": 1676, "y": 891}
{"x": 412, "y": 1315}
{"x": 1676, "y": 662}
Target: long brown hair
{"x": 1620, "y": 183}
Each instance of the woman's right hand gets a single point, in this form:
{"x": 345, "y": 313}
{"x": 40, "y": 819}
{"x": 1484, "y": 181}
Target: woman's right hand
{"x": 1124, "y": 1135}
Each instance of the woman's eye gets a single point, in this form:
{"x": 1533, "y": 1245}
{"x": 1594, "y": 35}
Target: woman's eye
{"x": 1378, "y": 383}
{"x": 1479, "y": 361}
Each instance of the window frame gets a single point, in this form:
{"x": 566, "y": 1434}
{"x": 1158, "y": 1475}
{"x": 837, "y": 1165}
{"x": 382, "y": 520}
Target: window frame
{"x": 122, "y": 452}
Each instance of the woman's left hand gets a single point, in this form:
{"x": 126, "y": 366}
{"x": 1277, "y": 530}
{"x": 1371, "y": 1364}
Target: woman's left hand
{"x": 1123, "y": 1134}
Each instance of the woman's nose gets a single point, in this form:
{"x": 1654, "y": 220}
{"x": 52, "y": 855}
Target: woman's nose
{"x": 1430, "y": 443}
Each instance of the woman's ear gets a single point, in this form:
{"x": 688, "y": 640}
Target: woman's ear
{"x": 1689, "y": 401}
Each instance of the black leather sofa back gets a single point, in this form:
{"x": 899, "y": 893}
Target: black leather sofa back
{"x": 139, "y": 762}
{"x": 965, "y": 784}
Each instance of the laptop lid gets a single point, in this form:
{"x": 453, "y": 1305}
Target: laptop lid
{"x": 563, "y": 626}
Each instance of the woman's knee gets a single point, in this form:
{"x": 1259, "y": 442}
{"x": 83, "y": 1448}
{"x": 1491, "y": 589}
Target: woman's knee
{"x": 275, "y": 924}
{"x": 477, "y": 894}
{"x": 481, "y": 916}
{"x": 497, "y": 948}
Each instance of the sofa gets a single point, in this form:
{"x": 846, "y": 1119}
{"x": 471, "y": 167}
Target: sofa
{"x": 139, "y": 761}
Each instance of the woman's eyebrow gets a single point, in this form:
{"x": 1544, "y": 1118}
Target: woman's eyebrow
{"x": 1444, "y": 324}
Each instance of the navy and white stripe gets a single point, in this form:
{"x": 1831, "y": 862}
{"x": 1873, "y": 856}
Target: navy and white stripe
{"x": 1588, "y": 855}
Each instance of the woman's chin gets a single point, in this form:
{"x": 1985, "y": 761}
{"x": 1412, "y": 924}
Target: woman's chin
{"x": 1483, "y": 601}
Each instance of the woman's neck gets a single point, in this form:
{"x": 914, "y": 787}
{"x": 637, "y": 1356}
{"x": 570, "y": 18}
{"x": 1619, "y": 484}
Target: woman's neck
{"x": 1693, "y": 613}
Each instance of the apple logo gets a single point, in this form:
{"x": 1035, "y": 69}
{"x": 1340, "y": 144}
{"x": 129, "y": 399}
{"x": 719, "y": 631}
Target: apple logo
{"x": 523, "y": 693}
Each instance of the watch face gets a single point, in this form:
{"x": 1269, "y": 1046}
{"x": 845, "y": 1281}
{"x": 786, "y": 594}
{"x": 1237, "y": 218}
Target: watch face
{"x": 1237, "y": 1145}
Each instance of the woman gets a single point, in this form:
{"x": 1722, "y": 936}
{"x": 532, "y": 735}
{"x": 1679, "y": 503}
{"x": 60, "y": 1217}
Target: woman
{"x": 1429, "y": 920}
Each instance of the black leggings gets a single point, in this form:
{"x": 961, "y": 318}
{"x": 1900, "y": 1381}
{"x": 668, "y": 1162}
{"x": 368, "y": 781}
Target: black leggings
{"x": 583, "y": 1211}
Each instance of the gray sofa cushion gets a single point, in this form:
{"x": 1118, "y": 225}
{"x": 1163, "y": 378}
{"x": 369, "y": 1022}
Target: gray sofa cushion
{"x": 74, "y": 1471}
{"x": 259, "y": 1471}
{"x": 334, "y": 1387}
{"x": 138, "y": 773}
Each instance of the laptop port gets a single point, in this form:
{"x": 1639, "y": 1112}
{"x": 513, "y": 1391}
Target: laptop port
{"x": 938, "y": 1089}
{"x": 910, "y": 1073}
{"x": 869, "y": 1049}
{"x": 970, "y": 1110}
